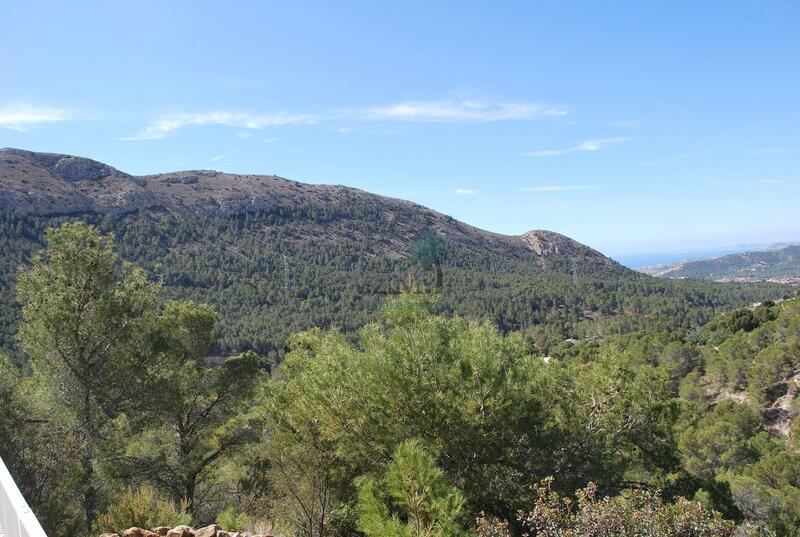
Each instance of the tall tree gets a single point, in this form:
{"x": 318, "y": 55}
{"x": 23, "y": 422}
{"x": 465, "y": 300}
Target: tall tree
{"x": 82, "y": 311}
{"x": 431, "y": 252}
{"x": 204, "y": 413}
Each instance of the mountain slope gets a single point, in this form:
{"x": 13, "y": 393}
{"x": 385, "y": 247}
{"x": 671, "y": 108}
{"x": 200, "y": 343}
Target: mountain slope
{"x": 771, "y": 264}
{"x": 46, "y": 184}
{"x": 276, "y": 256}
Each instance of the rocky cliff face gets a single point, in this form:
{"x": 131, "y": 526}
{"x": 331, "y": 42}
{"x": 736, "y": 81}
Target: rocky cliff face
{"x": 548, "y": 244}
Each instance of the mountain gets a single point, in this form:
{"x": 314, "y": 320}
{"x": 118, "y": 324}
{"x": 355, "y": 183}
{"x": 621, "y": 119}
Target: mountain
{"x": 276, "y": 256}
{"x": 781, "y": 264}
{"x": 52, "y": 185}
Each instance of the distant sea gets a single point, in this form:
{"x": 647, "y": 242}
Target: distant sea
{"x": 637, "y": 261}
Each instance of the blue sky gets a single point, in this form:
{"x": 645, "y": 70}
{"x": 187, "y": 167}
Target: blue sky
{"x": 630, "y": 126}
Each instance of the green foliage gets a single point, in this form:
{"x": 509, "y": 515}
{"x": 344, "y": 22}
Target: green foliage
{"x": 721, "y": 440}
{"x": 140, "y": 507}
{"x": 412, "y": 500}
{"x": 39, "y": 445}
{"x": 431, "y": 252}
{"x": 80, "y": 316}
{"x": 121, "y": 395}
{"x": 205, "y": 416}
{"x": 236, "y": 263}
{"x": 120, "y": 391}
{"x": 636, "y": 513}
{"x": 498, "y": 415}
{"x": 770, "y": 366}
{"x": 232, "y": 520}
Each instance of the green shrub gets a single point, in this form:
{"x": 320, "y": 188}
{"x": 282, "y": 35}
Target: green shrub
{"x": 232, "y": 520}
{"x": 636, "y": 513}
{"x": 141, "y": 507}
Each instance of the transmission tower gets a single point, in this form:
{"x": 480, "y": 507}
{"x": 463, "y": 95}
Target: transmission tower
{"x": 285, "y": 273}
{"x": 574, "y": 273}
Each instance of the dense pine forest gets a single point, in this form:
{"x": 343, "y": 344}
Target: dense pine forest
{"x": 428, "y": 419}
{"x": 271, "y": 274}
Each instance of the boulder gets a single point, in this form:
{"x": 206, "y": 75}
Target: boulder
{"x": 181, "y": 531}
{"x": 109, "y": 535}
{"x": 161, "y": 530}
{"x": 138, "y": 532}
{"x": 223, "y": 533}
{"x": 208, "y": 531}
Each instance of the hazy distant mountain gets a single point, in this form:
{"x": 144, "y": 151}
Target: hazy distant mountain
{"x": 276, "y": 256}
{"x": 782, "y": 264}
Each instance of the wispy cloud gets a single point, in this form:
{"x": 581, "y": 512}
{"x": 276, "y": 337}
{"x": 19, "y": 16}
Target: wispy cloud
{"x": 588, "y": 145}
{"x": 774, "y": 150}
{"x": 466, "y": 191}
{"x": 24, "y": 116}
{"x": 166, "y": 125}
{"x": 219, "y": 157}
{"x": 270, "y": 140}
{"x": 557, "y": 188}
{"x": 462, "y": 111}
{"x": 438, "y": 111}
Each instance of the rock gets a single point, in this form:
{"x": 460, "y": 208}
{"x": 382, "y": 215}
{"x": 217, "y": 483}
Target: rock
{"x": 223, "y": 533}
{"x": 138, "y": 532}
{"x": 78, "y": 168}
{"x": 109, "y": 535}
{"x": 161, "y": 530}
{"x": 208, "y": 531}
{"x": 181, "y": 531}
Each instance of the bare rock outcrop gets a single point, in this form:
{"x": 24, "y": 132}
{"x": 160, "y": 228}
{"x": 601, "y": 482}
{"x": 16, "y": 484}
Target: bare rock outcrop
{"x": 138, "y": 532}
{"x": 181, "y": 531}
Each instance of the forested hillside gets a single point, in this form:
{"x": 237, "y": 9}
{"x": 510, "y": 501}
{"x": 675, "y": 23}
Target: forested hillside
{"x": 737, "y": 380}
{"x": 276, "y": 257}
{"x": 417, "y": 419}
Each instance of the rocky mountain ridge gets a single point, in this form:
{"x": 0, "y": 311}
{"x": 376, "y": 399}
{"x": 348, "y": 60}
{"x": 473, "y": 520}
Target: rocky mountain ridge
{"x": 49, "y": 184}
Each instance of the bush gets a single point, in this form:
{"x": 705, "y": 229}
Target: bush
{"x": 637, "y": 513}
{"x": 141, "y": 507}
{"x": 232, "y": 520}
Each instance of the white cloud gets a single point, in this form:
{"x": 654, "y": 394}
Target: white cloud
{"x": 244, "y": 135}
{"x": 588, "y": 145}
{"x": 219, "y": 157}
{"x": 166, "y": 125}
{"x": 270, "y": 140}
{"x": 441, "y": 111}
{"x": 466, "y": 191}
{"x": 23, "y": 116}
{"x": 557, "y": 188}
{"x": 453, "y": 111}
